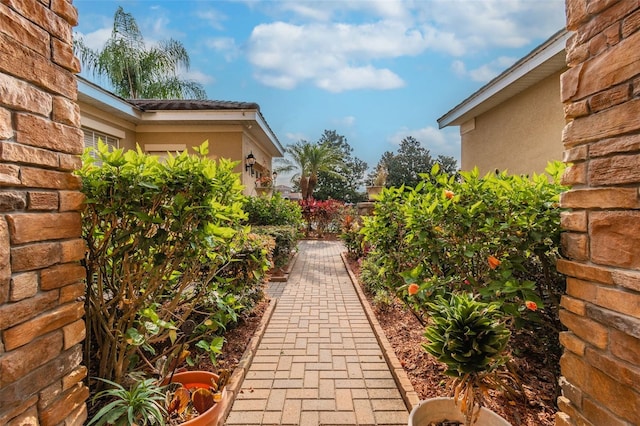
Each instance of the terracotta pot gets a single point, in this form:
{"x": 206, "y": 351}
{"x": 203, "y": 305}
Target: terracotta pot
{"x": 440, "y": 409}
{"x": 201, "y": 379}
{"x": 374, "y": 192}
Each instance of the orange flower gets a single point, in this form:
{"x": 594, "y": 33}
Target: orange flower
{"x": 494, "y": 262}
{"x": 449, "y": 194}
{"x": 413, "y": 289}
{"x": 531, "y": 305}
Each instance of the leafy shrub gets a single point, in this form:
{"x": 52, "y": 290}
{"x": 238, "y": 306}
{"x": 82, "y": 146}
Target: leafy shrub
{"x": 496, "y": 235}
{"x": 162, "y": 237}
{"x": 285, "y": 242}
{"x": 274, "y": 210}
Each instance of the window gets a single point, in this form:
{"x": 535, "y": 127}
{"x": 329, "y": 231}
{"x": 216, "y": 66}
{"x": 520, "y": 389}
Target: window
{"x": 91, "y": 140}
{"x": 162, "y": 150}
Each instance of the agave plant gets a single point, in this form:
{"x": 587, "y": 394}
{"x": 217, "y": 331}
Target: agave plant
{"x": 470, "y": 338}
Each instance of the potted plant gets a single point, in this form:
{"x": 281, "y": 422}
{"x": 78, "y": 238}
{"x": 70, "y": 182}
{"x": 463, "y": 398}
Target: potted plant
{"x": 264, "y": 185}
{"x": 196, "y": 399}
{"x": 470, "y": 338}
{"x": 379, "y": 181}
{"x": 188, "y": 398}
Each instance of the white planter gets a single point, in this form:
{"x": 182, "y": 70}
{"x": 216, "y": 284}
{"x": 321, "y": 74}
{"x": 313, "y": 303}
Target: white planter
{"x": 440, "y": 409}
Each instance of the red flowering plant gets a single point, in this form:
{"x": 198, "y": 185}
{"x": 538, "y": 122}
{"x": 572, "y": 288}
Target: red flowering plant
{"x": 350, "y": 234}
{"x": 321, "y": 216}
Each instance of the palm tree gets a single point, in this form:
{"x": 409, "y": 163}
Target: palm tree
{"x": 136, "y": 71}
{"x": 310, "y": 159}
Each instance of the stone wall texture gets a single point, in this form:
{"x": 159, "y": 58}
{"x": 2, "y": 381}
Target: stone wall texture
{"x": 41, "y": 279}
{"x": 601, "y": 240}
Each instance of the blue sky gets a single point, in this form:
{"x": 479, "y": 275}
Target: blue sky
{"x": 375, "y": 71}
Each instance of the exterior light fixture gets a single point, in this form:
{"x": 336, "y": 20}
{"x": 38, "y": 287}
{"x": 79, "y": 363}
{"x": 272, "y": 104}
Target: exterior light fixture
{"x": 249, "y": 162}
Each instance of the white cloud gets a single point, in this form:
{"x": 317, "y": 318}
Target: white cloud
{"x": 485, "y": 72}
{"x": 334, "y": 57}
{"x": 340, "y": 45}
{"x": 213, "y": 17}
{"x": 225, "y": 45}
{"x": 196, "y": 76}
{"x": 360, "y": 78}
{"x": 438, "y": 142}
{"x": 155, "y": 28}
{"x": 95, "y": 39}
{"x": 348, "y": 121}
{"x": 307, "y": 10}
{"x": 295, "y": 137}
{"x": 458, "y": 67}
{"x": 496, "y": 23}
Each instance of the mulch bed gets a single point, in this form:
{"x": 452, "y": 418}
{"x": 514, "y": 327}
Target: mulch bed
{"x": 236, "y": 341}
{"x": 405, "y": 334}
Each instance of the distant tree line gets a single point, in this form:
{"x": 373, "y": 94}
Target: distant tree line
{"x": 327, "y": 169}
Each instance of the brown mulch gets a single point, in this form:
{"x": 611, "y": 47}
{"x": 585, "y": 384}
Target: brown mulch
{"x": 236, "y": 340}
{"x": 405, "y": 334}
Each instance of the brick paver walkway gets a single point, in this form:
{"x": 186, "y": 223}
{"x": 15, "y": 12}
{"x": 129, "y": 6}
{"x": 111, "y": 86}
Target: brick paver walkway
{"x": 319, "y": 362}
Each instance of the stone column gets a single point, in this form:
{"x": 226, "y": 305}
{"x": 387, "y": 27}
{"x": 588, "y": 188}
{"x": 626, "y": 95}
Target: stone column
{"x": 41, "y": 279}
{"x": 601, "y": 308}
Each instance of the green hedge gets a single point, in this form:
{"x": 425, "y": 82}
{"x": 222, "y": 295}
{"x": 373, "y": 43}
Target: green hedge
{"x": 497, "y": 236}
{"x": 163, "y": 239}
{"x": 273, "y": 210}
{"x": 286, "y": 240}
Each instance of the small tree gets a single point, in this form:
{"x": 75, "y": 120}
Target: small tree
{"x": 411, "y": 160}
{"x": 308, "y": 160}
{"x": 158, "y": 235}
{"x": 345, "y": 186}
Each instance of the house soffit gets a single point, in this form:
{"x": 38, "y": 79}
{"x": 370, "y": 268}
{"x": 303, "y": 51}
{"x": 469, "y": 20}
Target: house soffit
{"x": 543, "y": 61}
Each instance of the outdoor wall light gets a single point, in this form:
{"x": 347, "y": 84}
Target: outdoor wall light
{"x": 249, "y": 162}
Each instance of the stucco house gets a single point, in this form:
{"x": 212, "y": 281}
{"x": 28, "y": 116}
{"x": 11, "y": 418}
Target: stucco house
{"x": 235, "y": 130}
{"x": 515, "y": 121}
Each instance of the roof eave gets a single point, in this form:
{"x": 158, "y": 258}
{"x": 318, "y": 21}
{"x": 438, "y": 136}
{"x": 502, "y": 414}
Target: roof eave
{"x": 95, "y": 95}
{"x": 243, "y": 116}
{"x": 542, "y": 62}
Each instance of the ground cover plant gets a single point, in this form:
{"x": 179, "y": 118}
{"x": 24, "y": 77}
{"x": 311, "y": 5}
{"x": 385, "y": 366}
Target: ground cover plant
{"x": 170, "y": 263}
{"x": 494, "y": 236}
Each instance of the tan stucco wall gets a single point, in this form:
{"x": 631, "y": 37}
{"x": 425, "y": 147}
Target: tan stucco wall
{"x": 521, "y": 135}
{"x": 97, "y": 120}
{"x": 226, "y": 145}
{"x": 221, "y": 144}
{"x": 230, "y": 141}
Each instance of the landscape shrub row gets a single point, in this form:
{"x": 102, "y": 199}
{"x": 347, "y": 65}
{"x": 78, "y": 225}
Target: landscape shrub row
{"x": 170, "y": 263}
{"x": 496, "y": 237}
{"x": 278, "y": 218}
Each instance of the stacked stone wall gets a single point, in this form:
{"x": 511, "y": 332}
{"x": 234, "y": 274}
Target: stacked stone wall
{"x": 41, "y": 279}
{"x": 601, "y": 308}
